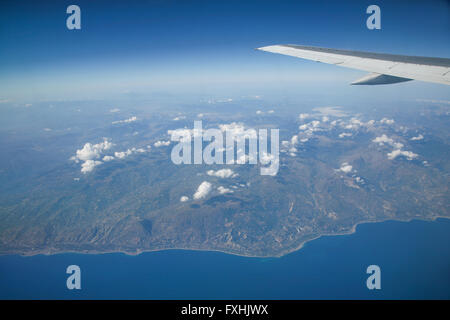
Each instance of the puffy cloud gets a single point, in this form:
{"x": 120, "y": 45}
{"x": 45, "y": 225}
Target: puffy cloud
{"x": 310, "y": 127}
{"x": 123, "y": 154}
{"x": 354, "y": 124}
{"x": 397, "y": 153}
{"x": 381, "y": 140}
{"x": 222, "y": 173}
{"x": 91, "y": 151}
{"x": 303, "y": 127}
{"x": 108, "y": 158}
{"x": 89, "y": 165}
{"x": 345, "y": 167}
{"x": 303, "y": 116}
{"x": 161, "y": 143}
{"x": 223, "y": 190}
{"x": 387, "y": 121}
{"x": 179, "y": 118}
{"x": 88, "y": 153}
{"x": 132, "y": 119}
{"x": 259, "y": 112}
{"x": 271, "y": 111}
{"x": 203, "y": 190}
{"x": 345, "y": 134}
{"x": 315, "y": 123}
{"x": 114, "y": 110}
{"x": 184, "y": 199}
{"x": 294, "y": 140}
{"x": 419, "y": 137}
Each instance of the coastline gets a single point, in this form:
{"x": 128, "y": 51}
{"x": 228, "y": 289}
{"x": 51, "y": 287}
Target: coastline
{"x": 280, "y": 255}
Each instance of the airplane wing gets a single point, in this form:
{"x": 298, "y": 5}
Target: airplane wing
{"x": 383, "y": 68}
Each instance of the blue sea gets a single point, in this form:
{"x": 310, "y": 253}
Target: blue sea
{"x": 414, "y": 258}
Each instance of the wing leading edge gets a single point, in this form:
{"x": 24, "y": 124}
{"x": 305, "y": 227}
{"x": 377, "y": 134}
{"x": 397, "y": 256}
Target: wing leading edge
{"x": 383, "y": 68}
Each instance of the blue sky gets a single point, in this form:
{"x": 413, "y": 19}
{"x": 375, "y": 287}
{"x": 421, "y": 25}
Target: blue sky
{"x": 193, "y": 45}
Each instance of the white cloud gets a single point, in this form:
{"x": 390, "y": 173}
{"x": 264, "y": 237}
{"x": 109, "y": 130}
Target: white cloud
{"x": 184, "y": 199}
{"x": 381, "y": 140}
{"x": 259, "y": 112}
{"x": 223, "y": 190}
{"x": 345, "y": 134}
{"x": 397, "y": 153}
{"x": 353, "y": 124}
{"x": 419, "y": 137}
{"x": 88, "y": 153}
{"x": 271, "y": 111}
{"x": 222, "y": 173}
{"x": 92, "y": 151}
{"x": 108, "y": 158}
{"x": 114, "y": 110}
{"x": 202, "y": 191}
{"x": 123, "y": 154}
{"x": 331, "y": 111}
{"x": 303, "y": 127}
{"x": 303, "y": 116}
{"x": 89, "y": 165}
{"x": 161, "y": 143}
{"x": 387, "y": 121}
{"x": 345, "y": 167}
{"x": 294, "y": 140}
{"x": 132, "y": 119}
{"x": 315, "y": 123}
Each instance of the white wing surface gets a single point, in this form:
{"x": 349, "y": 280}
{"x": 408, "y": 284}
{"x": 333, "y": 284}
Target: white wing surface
{"x": 383, "y": 68}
